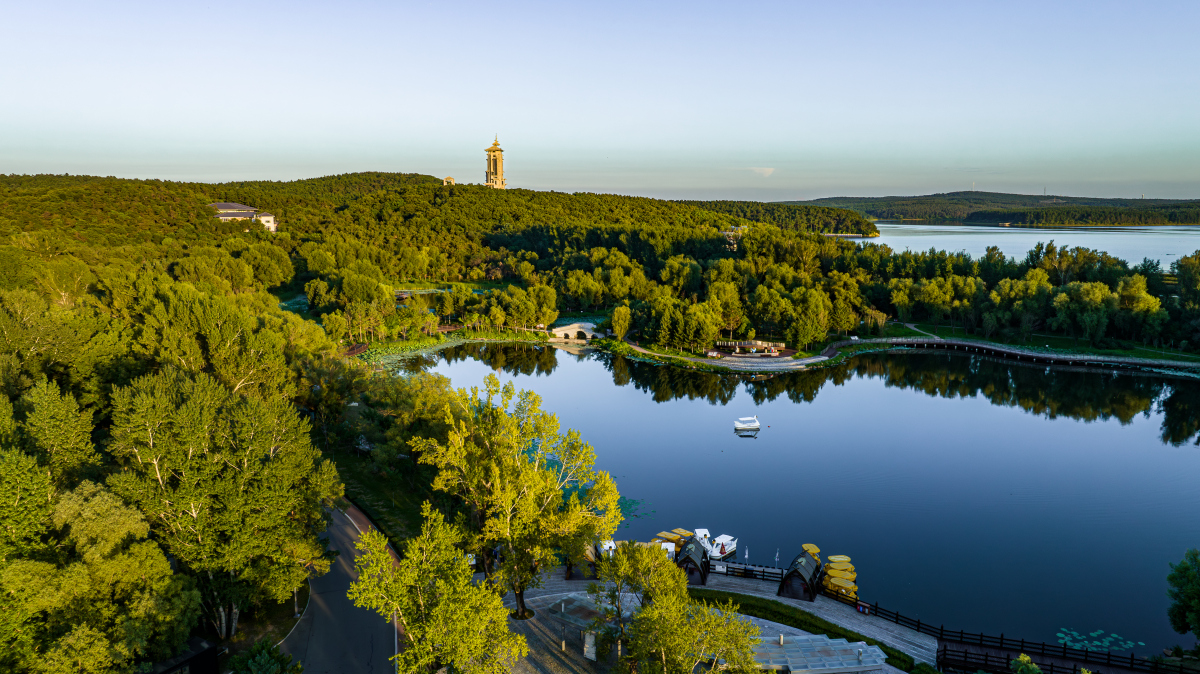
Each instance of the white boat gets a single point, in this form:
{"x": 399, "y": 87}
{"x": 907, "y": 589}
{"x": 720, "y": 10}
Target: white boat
{"x": 746, "y": 424}
{"x": 721, "y": 547}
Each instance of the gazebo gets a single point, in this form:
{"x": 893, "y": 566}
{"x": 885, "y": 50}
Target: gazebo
{"x": 801, "y": 579}
{"x": 693, "y": 559}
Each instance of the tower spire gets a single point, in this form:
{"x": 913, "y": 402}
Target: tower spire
{"x": 494, "y": 175}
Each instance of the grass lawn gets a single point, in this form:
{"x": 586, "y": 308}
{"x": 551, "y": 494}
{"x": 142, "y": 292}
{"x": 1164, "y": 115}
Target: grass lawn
{"x": 899, "y": 330}
{"x": 385, "y": 498}
{"x": 779, "y": 612}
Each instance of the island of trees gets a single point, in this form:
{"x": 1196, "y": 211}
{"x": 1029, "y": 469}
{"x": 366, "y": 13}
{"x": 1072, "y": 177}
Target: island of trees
{"x": 1021, "y": 209}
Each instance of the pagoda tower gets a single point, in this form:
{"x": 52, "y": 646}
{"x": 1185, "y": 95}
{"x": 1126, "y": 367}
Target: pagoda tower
{"x": 495, "y": 166}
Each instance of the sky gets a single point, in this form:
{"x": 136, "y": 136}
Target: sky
{"x": 766, "y": 101}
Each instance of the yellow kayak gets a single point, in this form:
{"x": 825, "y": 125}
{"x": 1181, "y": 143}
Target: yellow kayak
{"x": 840, "y": 566}
{"x": 847, "y": 575}
{"x": 839, "y": 558}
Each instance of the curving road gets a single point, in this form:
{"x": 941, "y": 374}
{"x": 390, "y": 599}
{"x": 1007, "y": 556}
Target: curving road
{"x": 334, "y": 636}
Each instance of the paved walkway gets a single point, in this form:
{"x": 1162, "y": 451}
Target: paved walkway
{"x": 913, "y": 326}
{"x": 545, "y": 636}
{"x": 921, "y": 647}
{"x": 334, "y": 635}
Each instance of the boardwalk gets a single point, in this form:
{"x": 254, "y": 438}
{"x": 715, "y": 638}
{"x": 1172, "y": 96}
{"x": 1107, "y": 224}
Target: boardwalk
{"x": 1027, "y": 355}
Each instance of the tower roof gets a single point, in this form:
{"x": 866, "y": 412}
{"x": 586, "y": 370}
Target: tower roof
{"x": 495, "y": 146}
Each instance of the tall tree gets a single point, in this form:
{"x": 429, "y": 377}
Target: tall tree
{"x": 675, "y": 635}
{"x": 58, "y": 432}
{"x": 620, "y": 321}
{"x": 1184, "y": 582}
{"x": 25, "y": 507}
{"x": 446, "y": 619}
{"x": 231, "y": 484}
{"x": 528, "y": 489}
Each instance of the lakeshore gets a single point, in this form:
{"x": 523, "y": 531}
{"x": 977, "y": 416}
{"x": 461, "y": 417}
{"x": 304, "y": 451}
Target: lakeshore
{"x": 928, "y": 467}
{"x": 833, "y": 352}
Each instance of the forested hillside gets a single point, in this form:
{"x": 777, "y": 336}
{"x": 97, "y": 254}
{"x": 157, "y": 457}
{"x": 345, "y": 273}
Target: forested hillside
{"x": 797, "y": 217}
{"x": 991, "y": 207}
{"x": 163, "y": 420}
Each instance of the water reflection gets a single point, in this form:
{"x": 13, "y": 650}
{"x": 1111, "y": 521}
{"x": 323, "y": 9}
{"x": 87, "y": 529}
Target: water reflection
{"x": 1074, "y": 393}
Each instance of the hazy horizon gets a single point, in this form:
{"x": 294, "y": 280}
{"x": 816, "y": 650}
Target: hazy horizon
{"x": 769, "y": 101}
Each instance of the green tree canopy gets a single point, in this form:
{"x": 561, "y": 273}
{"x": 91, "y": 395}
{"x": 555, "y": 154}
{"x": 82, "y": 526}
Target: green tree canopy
{"x": 447, "y": 620}
{"x": 527, "y": 488}
{"x": 232, "y": 484}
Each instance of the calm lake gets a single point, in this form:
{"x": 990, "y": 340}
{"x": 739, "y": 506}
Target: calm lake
{"x": 1132, "y": 244}
{"x": 975, "y": 493}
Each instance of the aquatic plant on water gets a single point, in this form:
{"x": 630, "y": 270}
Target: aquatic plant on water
{"x": 631, "y": 509}
{"x": 1096, "y": 641}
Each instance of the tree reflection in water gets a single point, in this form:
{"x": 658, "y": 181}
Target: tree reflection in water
{"x": 1074, "y": 393}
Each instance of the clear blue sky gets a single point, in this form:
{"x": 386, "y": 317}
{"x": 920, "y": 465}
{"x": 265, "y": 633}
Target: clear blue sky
{"x": 767, "y": 101}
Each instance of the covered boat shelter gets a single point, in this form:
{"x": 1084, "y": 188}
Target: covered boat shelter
{"x": 693, "y": 559}
{"x": 801, "y": 580}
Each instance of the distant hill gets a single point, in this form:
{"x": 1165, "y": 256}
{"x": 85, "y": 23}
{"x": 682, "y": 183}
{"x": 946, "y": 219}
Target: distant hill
{"x": 1028, "y": 209}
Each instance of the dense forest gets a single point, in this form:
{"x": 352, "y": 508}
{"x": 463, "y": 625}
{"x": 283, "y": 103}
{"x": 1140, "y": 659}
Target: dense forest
{"x": 1170, "y": 214}
{"x": 992, "y": 207}
{"x": 795, "y": 217}
{"x": 166, "y": 427}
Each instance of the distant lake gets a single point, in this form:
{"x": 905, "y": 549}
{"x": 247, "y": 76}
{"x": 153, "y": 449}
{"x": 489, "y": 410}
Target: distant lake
{"x": 976, "y": 493}
{"x": 1132, "y": 244}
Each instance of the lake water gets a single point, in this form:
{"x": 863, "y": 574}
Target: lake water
{"x": 975, "y": 493}
{"x": 1132, "y": 244}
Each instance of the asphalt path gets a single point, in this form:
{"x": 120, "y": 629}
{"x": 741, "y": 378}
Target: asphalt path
{"x": 335, "y": 636}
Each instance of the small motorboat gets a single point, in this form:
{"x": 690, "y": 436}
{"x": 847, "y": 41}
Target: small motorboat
{"x": 746, "y": 424}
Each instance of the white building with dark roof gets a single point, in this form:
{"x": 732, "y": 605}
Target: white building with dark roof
{"x": 227, "y": 211}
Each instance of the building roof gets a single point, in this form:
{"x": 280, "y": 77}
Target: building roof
{"x": 229, "y": 206}
{"x": 266, "y": 213}
{"x": 495, "y": 147}
{"x": 804, "y": 566}
{"x": 236, "y": 215}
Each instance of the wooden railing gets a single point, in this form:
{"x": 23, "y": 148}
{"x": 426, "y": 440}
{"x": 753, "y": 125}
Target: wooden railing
{"x": 1030, "y": 648}
{"x": 770, "y": 573}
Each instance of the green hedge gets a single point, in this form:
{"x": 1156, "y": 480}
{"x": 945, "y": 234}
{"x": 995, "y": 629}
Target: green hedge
{"x": 781, "y": 613}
